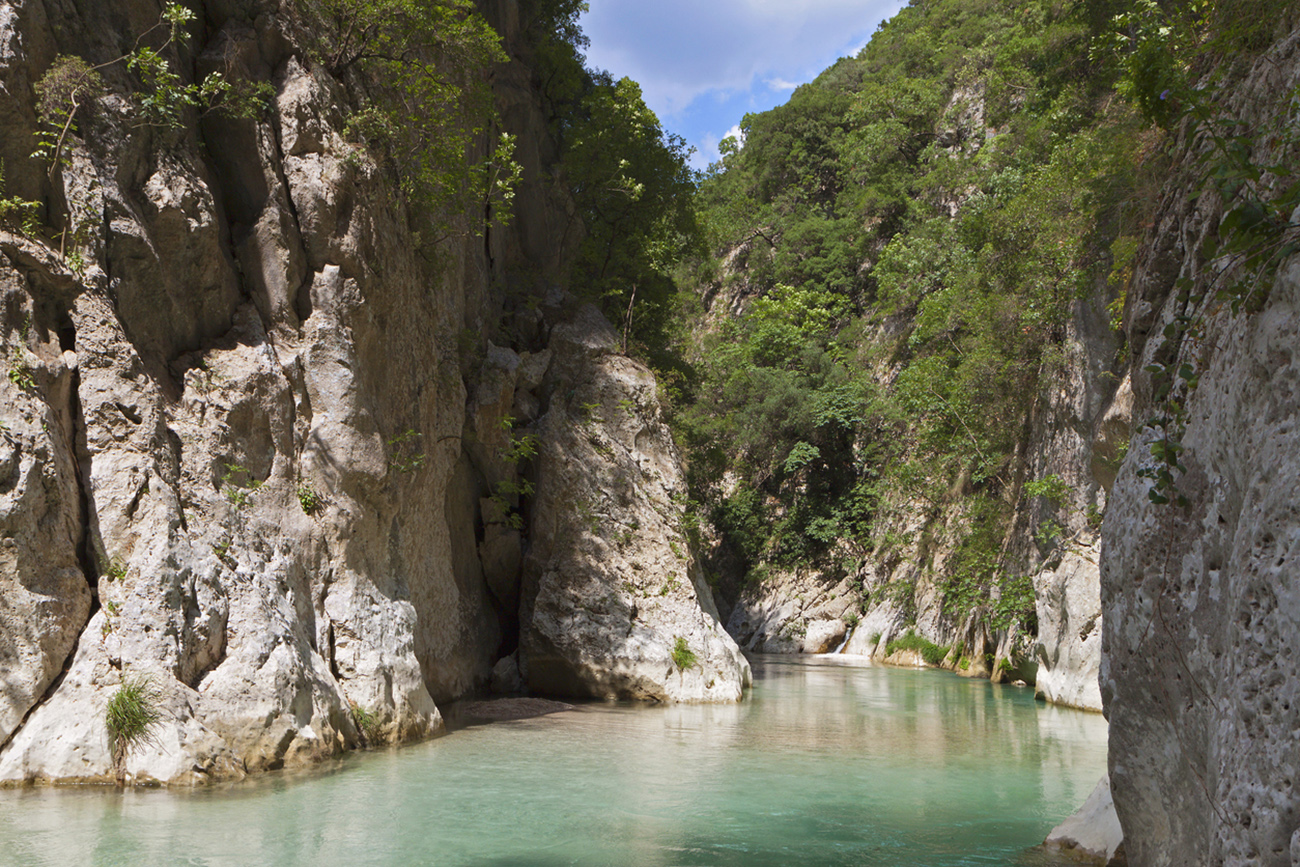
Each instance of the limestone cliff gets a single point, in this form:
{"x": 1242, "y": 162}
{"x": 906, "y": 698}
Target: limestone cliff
{"x": 1200, "y": 599}
{"x": 255, "y": 427}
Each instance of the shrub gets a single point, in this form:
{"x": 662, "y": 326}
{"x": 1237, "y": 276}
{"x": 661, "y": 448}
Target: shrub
{"x": 932, "y": 653}
{"x": 309, "y": 499}
{"x": 239, "y": 485}
{"x": 1051, "y": 488}
{"x": 367, "y": 724}
{"x": 131, "y": 717}
{"x": 683, "y": 656}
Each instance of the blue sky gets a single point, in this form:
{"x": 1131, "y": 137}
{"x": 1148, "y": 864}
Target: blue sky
{"x": 703, "y": 64}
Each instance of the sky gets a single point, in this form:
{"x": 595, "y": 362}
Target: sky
{"x": 702, "y": 64}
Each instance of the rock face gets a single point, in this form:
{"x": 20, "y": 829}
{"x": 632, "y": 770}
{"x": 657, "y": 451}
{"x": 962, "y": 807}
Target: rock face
{"x": 790, "y": 612}
{"x": 255, "y": 436}
{"x": 616, "y": 606}
{"x": 1202, "y": 600}
{"x": 1069, "y": 630}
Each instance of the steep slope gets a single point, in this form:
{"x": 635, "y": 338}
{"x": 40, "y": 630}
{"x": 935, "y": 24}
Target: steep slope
{"x": 909, "y": 398}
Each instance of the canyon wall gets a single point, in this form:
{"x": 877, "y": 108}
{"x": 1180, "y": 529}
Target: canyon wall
{"x": 1200, "y": 595}
{"x": 260, "y": 437}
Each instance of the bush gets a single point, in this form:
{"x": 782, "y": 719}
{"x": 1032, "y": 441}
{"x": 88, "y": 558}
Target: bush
{"x": 683, "y": 656}
{"x": 932, "y": 653}
{"x": 131, "y": 717}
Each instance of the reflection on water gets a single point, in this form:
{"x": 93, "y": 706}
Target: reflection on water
{"x": 830, "y": 761}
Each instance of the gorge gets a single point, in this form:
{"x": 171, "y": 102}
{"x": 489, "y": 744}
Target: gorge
{"x": 343, "y": 386}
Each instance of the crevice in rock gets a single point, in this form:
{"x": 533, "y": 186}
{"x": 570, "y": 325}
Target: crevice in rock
{"x": 77, "y": 448}
{"x": 302, "y": 305}
{"x": 334, "y": 667}
{"x": 85, "y": 547}
{"x": 131, "y": 413}
{"x": 282, "y": 178}
{"x": 132, "y": 506}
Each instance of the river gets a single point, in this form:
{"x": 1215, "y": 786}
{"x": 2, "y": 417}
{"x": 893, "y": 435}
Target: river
{"x": 830, "y": 761}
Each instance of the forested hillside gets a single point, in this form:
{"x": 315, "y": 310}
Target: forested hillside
{"x": 918, "y": 262}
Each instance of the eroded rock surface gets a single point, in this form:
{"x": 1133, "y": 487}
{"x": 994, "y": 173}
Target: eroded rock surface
{"x": 1202, "y": 600}
{"x": 255, "y": 433}
{"x": 611, "y": 588}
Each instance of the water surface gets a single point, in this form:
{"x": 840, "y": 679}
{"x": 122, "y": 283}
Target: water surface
{"x": 830, "y": 761}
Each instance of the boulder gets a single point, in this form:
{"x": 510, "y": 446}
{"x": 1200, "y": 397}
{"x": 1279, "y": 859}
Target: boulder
{"x": 1093, "y": 832}
{"x": 824, "y": 636}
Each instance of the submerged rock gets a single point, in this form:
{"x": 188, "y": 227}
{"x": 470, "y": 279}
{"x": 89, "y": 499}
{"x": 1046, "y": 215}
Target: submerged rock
{"x": 507, "y": 709}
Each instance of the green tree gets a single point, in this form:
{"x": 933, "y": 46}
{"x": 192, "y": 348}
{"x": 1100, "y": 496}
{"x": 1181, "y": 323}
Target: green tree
{"x": 425, "y": 62}
{"x": 635, "y": 194}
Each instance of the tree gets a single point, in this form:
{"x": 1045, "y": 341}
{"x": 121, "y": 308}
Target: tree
{"x": 635, "y": 193}
{"x": 425, "y": 63}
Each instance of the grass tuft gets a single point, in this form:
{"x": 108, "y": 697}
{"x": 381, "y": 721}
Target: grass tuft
{"x": 131, "y": 717}
{"x": 683, "y": 656}
{"x": 367, "y": 724}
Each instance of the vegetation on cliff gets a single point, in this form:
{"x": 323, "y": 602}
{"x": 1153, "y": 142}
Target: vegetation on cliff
{"x": 906, "y": 242}
{"x": 906, "y": 239}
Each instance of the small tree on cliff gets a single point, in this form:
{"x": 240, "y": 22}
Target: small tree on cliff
{"x": 425, "y": 64}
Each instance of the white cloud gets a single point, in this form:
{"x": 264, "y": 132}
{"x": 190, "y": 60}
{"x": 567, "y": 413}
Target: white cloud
{"x": 781, "y": 84}
{"x": 681, "y": 49}
{"x": 706, "y": 152}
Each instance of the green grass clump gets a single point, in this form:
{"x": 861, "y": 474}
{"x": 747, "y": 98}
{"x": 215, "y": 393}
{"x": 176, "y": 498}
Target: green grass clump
{"x": 367, "y": 724}
{"x": 131, "y": 717}
{"x": 114, "y": 568}
{"x": 683, "y": 656}
{"x": 932, "y": 653}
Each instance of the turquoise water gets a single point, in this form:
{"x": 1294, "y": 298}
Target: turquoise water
{"x": 831, "y": 761}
